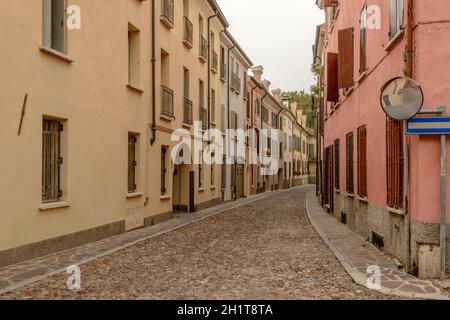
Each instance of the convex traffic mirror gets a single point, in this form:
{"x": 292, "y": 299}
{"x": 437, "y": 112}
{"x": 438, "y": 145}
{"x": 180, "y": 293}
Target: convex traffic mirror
{"x": 402, "y": 98}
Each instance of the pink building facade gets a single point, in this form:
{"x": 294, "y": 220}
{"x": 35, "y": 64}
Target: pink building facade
{"x": 383, "y": 185}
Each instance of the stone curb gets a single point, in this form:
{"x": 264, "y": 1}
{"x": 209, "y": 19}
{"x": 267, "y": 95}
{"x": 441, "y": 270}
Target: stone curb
{"x": 357, "y": 276}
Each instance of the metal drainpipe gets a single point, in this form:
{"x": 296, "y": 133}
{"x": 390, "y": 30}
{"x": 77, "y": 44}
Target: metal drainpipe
{"x": 153, "y": 138}
{"x": 209, "y": 68}
{"x": 408, "y": 73}
{"x": 443, "y": 202}
{"x": 252, "y": 121}
{"x": 228, "y": 101}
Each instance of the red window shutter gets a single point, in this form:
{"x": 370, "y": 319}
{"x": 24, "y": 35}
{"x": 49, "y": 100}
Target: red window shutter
{"x": 346, "y": 58}
{"x": 330, "y": 3}
{"x": 332, "y": 77}
{"x": 362, "y": 161}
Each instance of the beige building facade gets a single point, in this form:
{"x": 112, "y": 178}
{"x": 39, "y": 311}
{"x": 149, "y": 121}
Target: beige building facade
{"x": 94, "y": 93}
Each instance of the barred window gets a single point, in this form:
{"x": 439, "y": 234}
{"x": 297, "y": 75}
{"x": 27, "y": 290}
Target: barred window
{"x": 394, "y": 162}
{"x": 362, "y": 161}
{"x": 349, "y": 166}
{"x": 132, "y": 163}
{"x": 163, "y": 170}
{"x": 51, "y": 161}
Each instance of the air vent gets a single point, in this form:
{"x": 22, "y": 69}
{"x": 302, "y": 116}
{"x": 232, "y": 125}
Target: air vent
{"x": 377, "y": 240}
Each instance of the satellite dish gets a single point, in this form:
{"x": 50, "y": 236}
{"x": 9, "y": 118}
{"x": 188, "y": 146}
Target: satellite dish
{"x": 402, "y": 98}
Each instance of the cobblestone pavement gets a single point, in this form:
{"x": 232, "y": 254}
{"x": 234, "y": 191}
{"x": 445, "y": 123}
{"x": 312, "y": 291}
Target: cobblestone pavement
{"x": 357, "y": 255}
{"x": 262, "y": 250}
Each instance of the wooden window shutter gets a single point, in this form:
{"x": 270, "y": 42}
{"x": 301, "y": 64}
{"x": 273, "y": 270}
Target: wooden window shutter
{"x": 362, "y": 161}
{"x": 332, "y": 77}
{"x": 349, "y": 163}
{"x": 346, "y": 58}
{"x": 330, "y": 3}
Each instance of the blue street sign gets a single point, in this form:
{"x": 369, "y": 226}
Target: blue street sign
{"x": 428, "y": 125}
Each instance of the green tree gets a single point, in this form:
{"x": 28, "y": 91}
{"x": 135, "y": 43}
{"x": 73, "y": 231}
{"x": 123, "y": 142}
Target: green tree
{"x": 304, "y": 102}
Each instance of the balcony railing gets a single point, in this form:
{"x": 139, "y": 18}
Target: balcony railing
{"x": 223, "y": 71}
{"x": 167, "y": 11}
{"x": 167, "y": 102}
{"x": 188, "y": 38}
{"x": 235, "y": 83}
{"x": 187, "y": 111}
{"x": 215, "y": 61}
{"x": 203, "y": 117}
{"x": 203, "y": 49}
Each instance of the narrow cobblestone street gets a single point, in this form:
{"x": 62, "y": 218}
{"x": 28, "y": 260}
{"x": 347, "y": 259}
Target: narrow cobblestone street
{"x": 263, "y": 250}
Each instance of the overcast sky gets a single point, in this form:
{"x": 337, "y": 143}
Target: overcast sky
{"x": 277, "y": 34}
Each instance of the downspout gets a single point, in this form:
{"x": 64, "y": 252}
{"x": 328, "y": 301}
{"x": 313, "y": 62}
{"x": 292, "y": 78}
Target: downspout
{"x": 153, "y": 138}
{"x": 252, "y": 122}
{"x": 409, "y": 54}
{"x": 228, "y": 106}
{"x": 209, "y": 67}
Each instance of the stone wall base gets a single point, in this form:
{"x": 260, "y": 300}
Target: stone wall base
{"x": 69, "y": 241}
{"x": 389, "y": 230}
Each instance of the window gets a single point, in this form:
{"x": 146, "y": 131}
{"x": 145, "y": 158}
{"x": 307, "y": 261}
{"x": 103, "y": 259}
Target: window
{"x": 167, "y": 13}
{"x": 54, "y": 25}
{"x": 133, "y": 55}
{"x": 394, "y": 161}
{"x": 51, "y": 161}
{"x": 363, "y": 40}
{"x": 349, "y": 166}
{"x": 213, "y": 105}
{"x": 187, "y": 103}
{"x": 166, "y": 92}
{"x": 186, "y": 78}
{"x": 202, "y": 110}
{"x": 132, "y": 163}
{"x": 163, "y": 170}
{"x": 395, "y": 17}
{"x": 213, "y": 173}
{"x": 362, "y": 161}
{"x": 337, "y": 160}
{"x": 200, "y": 171}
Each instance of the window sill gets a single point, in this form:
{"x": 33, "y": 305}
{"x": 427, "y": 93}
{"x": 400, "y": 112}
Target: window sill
{"x": 166, "y": 22}
{"x": 188, "y": 44}
{"x": 54, "y": 205}
{"x": 213, "y": 188}
{"x": 187, "y": 126}
{"x": 166, "y": 117}
{"x": 135, "y": 88}
{"x": 400, "y": 212}
{"x": 362, "y": 77}
{"x": 363, "y": 199}
{"x": 203, "y": 59}
{"x": 392, "y": 42}
{"x": 351, "y": 195}
{"x": 201, "y": 190}
{"x": 57, "y": 54}
{"x": 135, "y": 195}
{"x": 165, "y": 197}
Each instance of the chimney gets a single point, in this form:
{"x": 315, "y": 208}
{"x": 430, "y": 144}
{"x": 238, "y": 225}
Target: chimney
{"x": 257, "y": 73}
{"x": 266, "y": 84}
{"x": 276, "y": 94}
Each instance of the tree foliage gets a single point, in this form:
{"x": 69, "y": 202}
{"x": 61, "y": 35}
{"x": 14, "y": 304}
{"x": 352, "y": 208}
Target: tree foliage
{"x": 304, "y": 102}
